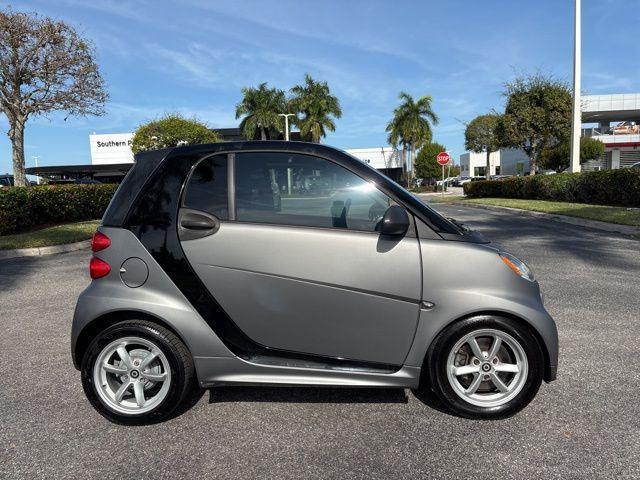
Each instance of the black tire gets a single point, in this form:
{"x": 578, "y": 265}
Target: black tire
{"x": 436, "y": 366}
{"x": 178, "y": 357}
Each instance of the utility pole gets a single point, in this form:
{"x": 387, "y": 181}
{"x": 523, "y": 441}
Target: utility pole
{"x": 286, "y": 124}
{"x": 36, "y": 158}
{"x": 576, "y": 121}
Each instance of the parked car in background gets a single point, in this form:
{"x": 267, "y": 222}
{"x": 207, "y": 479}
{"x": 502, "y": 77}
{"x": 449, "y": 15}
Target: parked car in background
{"x": 500, "y": 177}
{"x": 75, "y": 181}
{"x": 199, "y": 278}
{"x": 6, "y": 180}
{"x": 635, "y": 165}
{"x": 448, "y": 181}
{"x": 462, "y": 180}
{"x": 625, "y": 128}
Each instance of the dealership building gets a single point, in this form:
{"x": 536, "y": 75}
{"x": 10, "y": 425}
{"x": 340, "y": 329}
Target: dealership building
{"x": 506, "y": 161}
{"x": 612, "y": 119}
{"x": 112, "y": 157}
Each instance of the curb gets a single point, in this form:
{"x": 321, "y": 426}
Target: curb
{"x": 37, "y": 251}
{"x": 580, "y": 222}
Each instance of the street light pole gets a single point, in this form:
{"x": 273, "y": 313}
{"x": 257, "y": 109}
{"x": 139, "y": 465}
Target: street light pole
{"x": 576, "y": 121}
{"x": 286, "y": 137}
{"x": 286, "y": 124}
{"x": 36, "y": 158}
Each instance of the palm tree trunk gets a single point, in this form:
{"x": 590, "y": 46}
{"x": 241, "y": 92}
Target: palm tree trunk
{"x": 16, "y": 134}
{"x": 263, "y": 134}
{"x": 487, "y": 173}
{"x": 404, "y": 163}
{"x": 412, "y": 157}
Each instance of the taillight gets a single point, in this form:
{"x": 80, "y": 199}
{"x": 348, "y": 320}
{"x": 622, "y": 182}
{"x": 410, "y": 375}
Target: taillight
{"x": 99, "y": 242}
{"x": 98, "y": 268}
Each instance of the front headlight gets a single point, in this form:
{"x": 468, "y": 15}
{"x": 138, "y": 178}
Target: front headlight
{"x": 517, "y": 266}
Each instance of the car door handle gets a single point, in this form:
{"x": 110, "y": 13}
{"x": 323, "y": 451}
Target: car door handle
{"x": 197, "y": 223}
{"x": 194, "y": 224}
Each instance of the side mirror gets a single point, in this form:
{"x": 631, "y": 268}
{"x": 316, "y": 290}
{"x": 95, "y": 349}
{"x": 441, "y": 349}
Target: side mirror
{"x": 395, "y": 221}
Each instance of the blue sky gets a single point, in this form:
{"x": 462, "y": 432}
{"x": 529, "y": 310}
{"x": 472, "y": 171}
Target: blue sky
{"x": 193, "y": 57}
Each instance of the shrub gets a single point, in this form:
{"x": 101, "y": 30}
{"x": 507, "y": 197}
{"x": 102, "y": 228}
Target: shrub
{"x": 604, "y": 187}
{"x": 26, "y": 208}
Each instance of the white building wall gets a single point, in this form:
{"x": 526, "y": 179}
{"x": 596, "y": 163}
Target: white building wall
{"x": 378, "y": 157}
{"x": 469, "y": 161}
{"x": 619, "y": 102}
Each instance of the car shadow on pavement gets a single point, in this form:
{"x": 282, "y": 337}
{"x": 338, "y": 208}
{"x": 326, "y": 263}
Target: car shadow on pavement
{"x": 431, "y": 400}
{"x": 286, "y": 394}
{"x": 307, "y": 395}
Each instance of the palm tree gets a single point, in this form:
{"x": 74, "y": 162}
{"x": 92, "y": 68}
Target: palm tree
{"x": 410, "y": 126}
{"x": 316, "y": 106}
{"x": 397, "y": 138}
{"x": 259, "y": 108}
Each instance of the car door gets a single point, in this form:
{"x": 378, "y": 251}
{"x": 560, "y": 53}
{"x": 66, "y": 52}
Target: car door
{"x": 296, "y": 261}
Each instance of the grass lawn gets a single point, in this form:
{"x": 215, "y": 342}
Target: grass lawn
{"x": 66, "y": 233}
{"x": 619, "y": 215}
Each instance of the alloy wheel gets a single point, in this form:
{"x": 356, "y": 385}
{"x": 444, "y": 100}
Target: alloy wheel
{"x": 132, "y": 375}
{"x": 487, "y": 368}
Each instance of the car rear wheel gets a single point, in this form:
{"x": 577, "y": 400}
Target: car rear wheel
{"x": 486, "y": 367}
{"x": 136, "y": 372}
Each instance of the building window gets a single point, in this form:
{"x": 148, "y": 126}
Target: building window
{"x": 497, "y": 169}
{"x": 479, "y": 171}
{"x": 302, "y": 190}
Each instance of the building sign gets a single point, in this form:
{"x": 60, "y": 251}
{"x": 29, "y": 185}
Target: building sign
{"x": 111, "y": 148}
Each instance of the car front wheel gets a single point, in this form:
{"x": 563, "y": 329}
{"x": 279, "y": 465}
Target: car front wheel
{"x": 136, "y": 372}
{"x": 486, "y": 367}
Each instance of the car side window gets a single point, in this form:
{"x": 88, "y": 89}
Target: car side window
{"x": 207, "y": 187}
{"x": 303, "y": 190}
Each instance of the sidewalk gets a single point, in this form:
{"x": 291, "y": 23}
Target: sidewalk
{"x": 450, "y": 191}
{"x": 36, "y": 251}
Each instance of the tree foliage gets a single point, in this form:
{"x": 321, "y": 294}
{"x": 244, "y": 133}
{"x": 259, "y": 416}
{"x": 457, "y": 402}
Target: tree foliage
{"x": 556, "y": 157}
{"x": 411, "y": 124}
{"x": 537, "y": 114}
{"x": 426, "y": 164}
{"x": 316, "y": 108}
{"x": 481, "y": 136}
{"x": 172, "y": 130}
{"x": 260, "y": 108}
{"x": 45, "y": 66}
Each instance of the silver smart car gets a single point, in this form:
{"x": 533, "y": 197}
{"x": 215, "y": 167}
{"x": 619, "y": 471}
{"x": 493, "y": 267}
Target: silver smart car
{"x": 289, "y": 263}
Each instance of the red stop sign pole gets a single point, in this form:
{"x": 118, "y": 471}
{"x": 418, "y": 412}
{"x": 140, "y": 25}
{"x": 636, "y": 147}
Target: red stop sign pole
{"x": 443, "y": 158}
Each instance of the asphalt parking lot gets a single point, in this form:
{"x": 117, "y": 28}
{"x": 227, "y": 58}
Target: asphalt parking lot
{"x": 584, "y": 425}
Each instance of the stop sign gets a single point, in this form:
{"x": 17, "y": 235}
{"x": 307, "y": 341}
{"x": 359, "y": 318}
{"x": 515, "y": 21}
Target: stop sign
{"x": 443, "y": 158}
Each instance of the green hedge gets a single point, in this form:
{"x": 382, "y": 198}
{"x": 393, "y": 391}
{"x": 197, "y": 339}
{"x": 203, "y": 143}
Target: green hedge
{"x": 27, "y": 208}
{"x": 605, "y": 187}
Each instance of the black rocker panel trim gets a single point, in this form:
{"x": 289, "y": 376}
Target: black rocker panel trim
{"x": 153, "y": 219}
